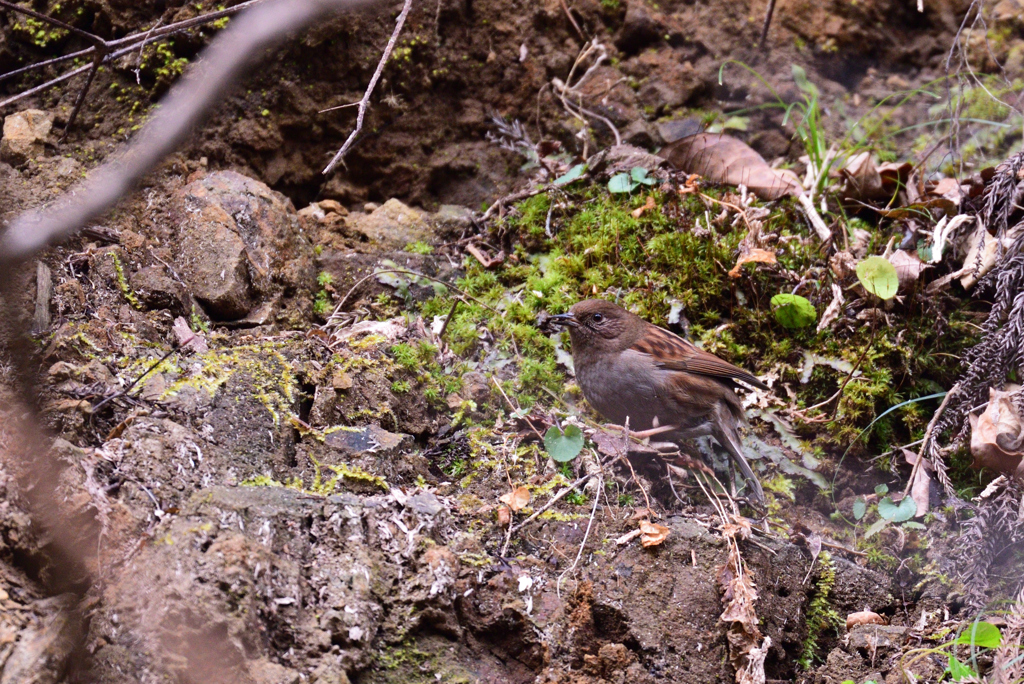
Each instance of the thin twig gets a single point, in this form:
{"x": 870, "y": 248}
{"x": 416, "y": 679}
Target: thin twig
{"x": 928, "y": 437}
{"x": 555, "y": 499}
{"x": 228, "y": 58}
{"x": 364, "y": 103}
{"x": 767, "y": 24}
{"x": 586, "y": 536}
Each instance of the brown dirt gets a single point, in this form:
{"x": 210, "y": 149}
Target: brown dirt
{"x": 361, "y": 584}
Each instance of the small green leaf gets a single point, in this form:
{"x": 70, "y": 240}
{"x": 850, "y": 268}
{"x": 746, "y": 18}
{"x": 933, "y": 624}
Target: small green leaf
{"x": 563, "y": 446}
{"x": 900, "y": 512}
{"x": 913, "y": 525}
{"x": 982, "y": 634}
{"x": 793, "y": 311}
{"x": 957, "y": 670}
{"x": 859, "y": 507}
{"x": 638, "y": 174}
{"x": 620, "y": 183}
{"x": 875, "y": 528}
{"x": 881, "y": 489}
{"x": 575, "y": 173}
{"x": 878, "y": 277}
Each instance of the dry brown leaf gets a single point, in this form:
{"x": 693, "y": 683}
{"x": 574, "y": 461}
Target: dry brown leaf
{"x": 753, "y": 255}
{"x": 648, "y": 206}
{"x": 504, "y": 516}
{"x": 652, "y": 534}
{"x": 864, "y": 617}
{"x": 863, "y": 181}
{"x": 742, "y": 633}
{"x": 834, "y": 308}
{"x": 951, "y": 189}
{"x": 908, "y": 267}
{"x": 921, "y": 210}
{"x": 739, "y": 528}
{"x": 516, "y": 499}
{"x": 894, "y": 175}
{"x": 724, "y": 159}
{"x": 996, "y": 434}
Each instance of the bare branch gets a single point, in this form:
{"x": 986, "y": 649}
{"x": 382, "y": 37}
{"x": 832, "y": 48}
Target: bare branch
{"x": 365, "y": 102}
{"x": 222, "y": 66}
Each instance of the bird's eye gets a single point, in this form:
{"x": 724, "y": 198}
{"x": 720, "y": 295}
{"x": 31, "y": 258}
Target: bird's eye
{"x": 598, "y": 318}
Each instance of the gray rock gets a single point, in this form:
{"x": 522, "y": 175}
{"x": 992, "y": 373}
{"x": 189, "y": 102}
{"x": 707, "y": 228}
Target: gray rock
{"x": 156, "y": 289}
{"x": 856, "y": 586}
{"x": 640, "y": 134}
{"x": 392, "y": 225}
{"x": 639, "y": 29}
{"x": 233, "y": 233}
{"x": 677, "y": 129}
{"x": 371, "y": 439}
{"x": 425, "y": 503}
{"x": 875, "y": 640}
{"x": 25, "y": 135}
{"x": 452, "y": 219}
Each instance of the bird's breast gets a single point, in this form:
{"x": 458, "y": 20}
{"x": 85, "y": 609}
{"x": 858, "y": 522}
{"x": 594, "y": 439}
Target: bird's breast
{"x": 623, "y": 385}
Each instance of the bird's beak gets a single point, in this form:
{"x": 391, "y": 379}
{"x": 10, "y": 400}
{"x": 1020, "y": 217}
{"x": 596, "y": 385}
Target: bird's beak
{"x": 566, "y": 319}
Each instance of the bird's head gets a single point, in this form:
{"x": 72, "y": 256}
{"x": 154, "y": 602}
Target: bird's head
{"x": 599, "y": 326}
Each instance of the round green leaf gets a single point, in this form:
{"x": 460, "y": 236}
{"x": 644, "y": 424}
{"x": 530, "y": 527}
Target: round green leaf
{"x": 878, "y": 277}
{"x": 563, "y": 446}
{"x": 793, "y": 311}
{"x": 904, "y": 510}
{"x": 881, "y": 489}
{"x": 620, "y": 183}
{"x": 859, "y": 508}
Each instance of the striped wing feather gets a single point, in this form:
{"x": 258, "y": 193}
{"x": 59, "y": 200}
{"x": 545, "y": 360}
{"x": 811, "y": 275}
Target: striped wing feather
{"x": 674, "y": 353}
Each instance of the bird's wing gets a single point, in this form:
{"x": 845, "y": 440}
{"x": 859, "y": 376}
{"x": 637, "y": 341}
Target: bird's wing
{"x": 674, "y": 353}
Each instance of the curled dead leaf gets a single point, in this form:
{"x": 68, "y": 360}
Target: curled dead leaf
{"x": 864, "y": 617}
{"x": 996, "y": 438}
{"x": 724, "y": 159}
{"x": 504, "y": 516}
{"x": 517, "y": 498}
{"x": 648, "y": 206}
{"x": 753, "y": 255}
{"x": 652, "y": 534}
{"x": 908, "y": 267}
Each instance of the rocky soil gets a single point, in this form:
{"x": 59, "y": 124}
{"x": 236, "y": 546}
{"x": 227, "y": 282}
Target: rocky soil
{"x": 289, "y": 508}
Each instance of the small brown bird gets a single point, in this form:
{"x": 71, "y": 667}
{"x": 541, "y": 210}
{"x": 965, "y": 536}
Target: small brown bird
{"x": 629, "y": 368}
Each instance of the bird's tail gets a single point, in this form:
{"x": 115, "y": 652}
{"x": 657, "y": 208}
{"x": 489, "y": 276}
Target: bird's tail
{"x": 728, "y": 436}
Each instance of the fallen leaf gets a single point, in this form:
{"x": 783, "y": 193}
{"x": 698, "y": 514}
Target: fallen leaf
{"x": 516, "y": 499}
{"x": 895, "y": 175}
{"x": 951, "y": 189}
{"x": 724, "y": 159}
{"x": 864, "y": 617}
{"x": 504, "y": 516}
{"x": 834, "y": 308}
{"x": 920, "y": 209}
{"x": 648, "y": 206}
{"x": 908, "y": 267}
{"x": 996, "y": 434}
{"x": 739, "y": 528}
{"x": 754, "y": 255}
{"x": 186, "y": 338}
{"x": 863, "y": 182}
{"x": 652, "y": 534}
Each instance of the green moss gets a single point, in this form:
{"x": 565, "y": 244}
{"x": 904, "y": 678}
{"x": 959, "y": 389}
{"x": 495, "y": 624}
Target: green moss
{"x": 122, "y": 282}
{"x": 821, "y": 615}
